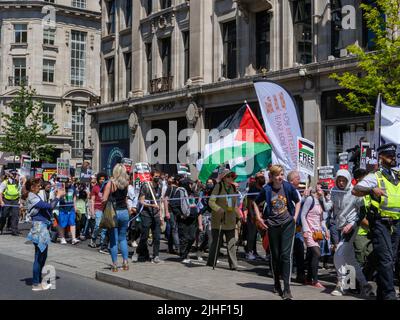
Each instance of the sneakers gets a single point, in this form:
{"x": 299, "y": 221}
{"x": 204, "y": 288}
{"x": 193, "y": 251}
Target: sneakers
{"x": 82, "y": 238}
{"x": 41, "y": 287}
{"x": 317, "y": 285}
{"x": 63, "y": 241}
{"x": 368, "y": 291}
{"x": 250, "y": 256}
{"x": 135, "y": 258}
{"x": 104, "y": 251}
{"x": 92, "y": 244}
{"x": 198, "y": 255}
{"x": 287, "y": 295}
{"x": 75, "y": 241}
{"x": 134, "y": 244}
{"x": 186, "y": 261}
{"x": 338, "y": 292}
{"x": 156, "y": 260}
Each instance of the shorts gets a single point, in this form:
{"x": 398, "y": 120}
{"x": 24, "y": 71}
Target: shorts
{"x": 66, "y": 218}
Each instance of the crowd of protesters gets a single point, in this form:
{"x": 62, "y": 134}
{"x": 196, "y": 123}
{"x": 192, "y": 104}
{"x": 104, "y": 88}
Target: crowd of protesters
{"x": 299, "y": 226}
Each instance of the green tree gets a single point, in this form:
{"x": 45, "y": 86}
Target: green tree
{"x": 379, "y": 69}
{"x": 26, "y": 128}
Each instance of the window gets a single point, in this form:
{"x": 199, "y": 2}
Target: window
{"x": 48, "y": 112}
{"x": 48, "y": 70}
{"x": 19, "y": 66}
{"x": 79, "y": 4}
{"x": 166, "y": 56}
{"x": 149, "y": 7}
{"x": 302, "y": 30}
{"x": 165, "y": 4}
{"x": 342, "y": 127}
{"x": 128, "y": 13}
{"x": 110, "y": 74}
{"x": 149, "y": 61}
{"x": 49, "y": 36}
{"x": 21, "y": 33}
{"x": 77, "y": 132}
{"x": 229, "y": 39}
{"x": 114, "y": 132}
{"x": 111, "y": 17}
{"x": 128, "y": 71}
{"x": 262, "y": 40}
{"x": 186, "y": 45}
{"x": 78, "y": 59}
{"x": 51, "y": 1}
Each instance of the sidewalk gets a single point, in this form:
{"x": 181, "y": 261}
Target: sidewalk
{"x": 174, "y": 280}
{"x": 169, "y": 279}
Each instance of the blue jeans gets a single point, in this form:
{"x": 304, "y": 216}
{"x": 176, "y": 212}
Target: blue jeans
{"x": 38, "y": 264}
{"x": 118, "y": 235}
{"x": 98, "y": 216}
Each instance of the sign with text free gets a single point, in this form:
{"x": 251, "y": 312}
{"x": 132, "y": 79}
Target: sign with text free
{"x": 306, "y": 156}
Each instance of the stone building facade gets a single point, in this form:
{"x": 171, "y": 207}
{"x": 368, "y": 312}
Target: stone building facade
{"x": 53, "y": 47}
{"x": 194, "y": 63}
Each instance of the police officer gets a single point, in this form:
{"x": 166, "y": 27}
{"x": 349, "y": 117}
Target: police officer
{"x": 384, "y": 188}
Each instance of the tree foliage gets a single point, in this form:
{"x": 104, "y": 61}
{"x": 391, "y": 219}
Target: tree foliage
{"x": 379, "y": 69}
{"x": 26, "y": 128}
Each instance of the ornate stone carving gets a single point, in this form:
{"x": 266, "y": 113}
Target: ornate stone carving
{"x": 246, "y": 6}
{"x": 192, "y": 114}
{"x": 133, "y": 122}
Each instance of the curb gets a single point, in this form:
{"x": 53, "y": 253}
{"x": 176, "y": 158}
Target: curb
{"x": 145, "y": 288}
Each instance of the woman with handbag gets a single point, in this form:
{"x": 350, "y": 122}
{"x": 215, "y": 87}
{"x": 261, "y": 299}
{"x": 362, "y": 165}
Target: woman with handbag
{"x": 115, "y": 198}
{"x": 314, "y": 230}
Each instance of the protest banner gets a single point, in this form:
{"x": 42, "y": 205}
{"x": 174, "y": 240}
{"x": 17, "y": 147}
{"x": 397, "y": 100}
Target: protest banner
{"x": 183, "y": 169}
{"x": 344, "y": 160}
{"x": 363, "y": 155}
{"x": 128, "y": 164}
{"x": 142, "y": 174}
{"x": 47, "y": 173}
{"x": 282, "y": 125}
{"x": 326, "y": 174}
{"x": 26, "y": 164}
{"x": 63, "y": 169}
{"x": 306, "y": 156}
{"x": 39, "y": 173}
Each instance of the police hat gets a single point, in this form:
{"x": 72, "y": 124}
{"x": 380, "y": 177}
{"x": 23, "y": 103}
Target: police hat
{"x": 387, "y": 148}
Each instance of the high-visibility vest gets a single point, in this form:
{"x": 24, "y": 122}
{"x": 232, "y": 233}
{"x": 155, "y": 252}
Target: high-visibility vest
{"x": 367, "y": 203}
{"x": 388, "y": 207}
{"x": 11, "y": 192}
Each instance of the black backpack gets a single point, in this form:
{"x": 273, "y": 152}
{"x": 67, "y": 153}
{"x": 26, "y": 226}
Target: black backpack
{"x": 175, "y": 203}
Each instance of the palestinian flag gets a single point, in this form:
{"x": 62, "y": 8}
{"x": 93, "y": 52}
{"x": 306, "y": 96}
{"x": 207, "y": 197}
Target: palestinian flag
{"x": 306, "y": 148}
{"x": 240, "y": 142}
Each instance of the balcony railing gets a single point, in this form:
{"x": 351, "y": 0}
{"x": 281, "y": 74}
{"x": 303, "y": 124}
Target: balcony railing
{"x": 17, "y": 81}
{"x": 163, "y": 84}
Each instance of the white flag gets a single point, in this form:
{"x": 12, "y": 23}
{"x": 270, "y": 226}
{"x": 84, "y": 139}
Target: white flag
{"x": 281, "y": 122}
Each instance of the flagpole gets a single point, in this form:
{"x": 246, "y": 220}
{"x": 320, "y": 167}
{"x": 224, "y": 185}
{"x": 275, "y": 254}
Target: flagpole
{"x": 378, "y": 120}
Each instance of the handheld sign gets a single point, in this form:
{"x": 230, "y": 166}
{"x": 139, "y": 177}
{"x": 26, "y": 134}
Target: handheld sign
{"x": 306, "y": 156}
{"x": 142, "y": 174}
{"x": 127, "y": 164}
{"x": 183, "y": 169}
{"x": 326, "y": 174}
{"x": 63, "y": 169}
{"x": 26, "y": 163}
{"x": 344, "y": 160}
{"x": 363, "y": 155}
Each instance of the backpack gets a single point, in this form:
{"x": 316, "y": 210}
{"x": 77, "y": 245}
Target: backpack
{"x": 183, "y": 206}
